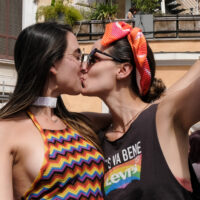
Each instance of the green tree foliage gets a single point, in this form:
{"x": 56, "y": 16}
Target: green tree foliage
{"x": 57, "y": 11}
{"x": 146, "y": 6}
{"x": 53, "y": 2}
{"x": 104, "y": 11}
{"x": 72, "y": 15}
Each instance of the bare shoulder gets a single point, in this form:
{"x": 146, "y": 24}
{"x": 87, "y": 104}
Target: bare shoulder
{"x": 12, "y": 128}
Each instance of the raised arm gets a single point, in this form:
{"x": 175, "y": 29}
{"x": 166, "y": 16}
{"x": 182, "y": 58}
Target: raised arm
{"x": 184, "y": 105}
{"x": 176, "y": 113}
{"x": 188, "y": 104}
{"x": 6, "y": 160}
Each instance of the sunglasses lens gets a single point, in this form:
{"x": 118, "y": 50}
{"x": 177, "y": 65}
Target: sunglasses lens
{"x": 82, "y": 57}
{"x": 91, "y": 57}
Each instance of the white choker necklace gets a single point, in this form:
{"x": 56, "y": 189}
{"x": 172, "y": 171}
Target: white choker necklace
{"x": 46, "y": 101}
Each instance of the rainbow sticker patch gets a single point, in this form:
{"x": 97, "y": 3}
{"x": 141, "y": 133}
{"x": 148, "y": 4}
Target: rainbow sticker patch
{"x": 120, "y": 176}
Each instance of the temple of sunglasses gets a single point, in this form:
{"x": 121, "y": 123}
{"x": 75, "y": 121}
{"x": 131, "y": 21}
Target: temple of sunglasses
{"x": 92, "y": 53}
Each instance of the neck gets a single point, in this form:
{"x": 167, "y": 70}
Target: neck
{"x": 46, "y": 111}
{"x": 46, "y": 118}
{"x": 124, "y": 105}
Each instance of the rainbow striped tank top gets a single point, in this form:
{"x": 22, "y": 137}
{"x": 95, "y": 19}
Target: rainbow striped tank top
{"x": 72, "y": 167}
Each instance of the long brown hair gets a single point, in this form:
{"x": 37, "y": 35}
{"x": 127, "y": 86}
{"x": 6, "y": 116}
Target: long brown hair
{"x": 37, "y": 48}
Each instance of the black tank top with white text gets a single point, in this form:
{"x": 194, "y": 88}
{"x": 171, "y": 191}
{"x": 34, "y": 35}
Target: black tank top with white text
{"x": 136, "y": 168}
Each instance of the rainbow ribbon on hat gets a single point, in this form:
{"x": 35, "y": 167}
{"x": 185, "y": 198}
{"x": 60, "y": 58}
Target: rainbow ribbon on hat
{"x": 117, "y": 30}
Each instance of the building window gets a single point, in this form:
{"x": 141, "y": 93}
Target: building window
{"x": 5, "y": 92}
{"x": 10, "y": 26}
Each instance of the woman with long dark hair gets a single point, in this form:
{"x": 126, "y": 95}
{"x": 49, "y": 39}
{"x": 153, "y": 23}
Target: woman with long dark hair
{"x": 47, "y": 152}
{"x": 146, "y": 146}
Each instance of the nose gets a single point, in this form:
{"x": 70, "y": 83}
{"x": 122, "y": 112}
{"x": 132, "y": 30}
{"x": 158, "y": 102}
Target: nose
{"x": 84, "y": 68}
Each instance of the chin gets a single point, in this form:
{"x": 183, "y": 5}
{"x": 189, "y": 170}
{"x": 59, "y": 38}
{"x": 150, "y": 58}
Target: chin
{"x": 88, "y": 94}
{"x": 85, "y": 92}
{"x": 73, "y": 92}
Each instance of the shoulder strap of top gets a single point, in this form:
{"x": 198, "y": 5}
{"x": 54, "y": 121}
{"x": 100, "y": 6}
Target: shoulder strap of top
{"x": 153, "y": 107}
{"x": 31, "y": 115}
{"x": 150, "y": 112}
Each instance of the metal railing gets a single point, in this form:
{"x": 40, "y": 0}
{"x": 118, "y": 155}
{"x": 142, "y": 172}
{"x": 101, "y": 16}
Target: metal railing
{"x": 92, "y": 30}
{"x": 181, "y": 27}
{"x": 5, "y": 91}
{"x": 173, "y": 26}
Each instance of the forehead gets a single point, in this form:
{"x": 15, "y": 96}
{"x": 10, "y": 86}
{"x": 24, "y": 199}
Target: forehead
{"x": 72, "y": 43}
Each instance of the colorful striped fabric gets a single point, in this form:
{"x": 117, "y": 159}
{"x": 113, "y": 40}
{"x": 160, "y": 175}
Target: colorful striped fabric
{"x": 72, "y": 167}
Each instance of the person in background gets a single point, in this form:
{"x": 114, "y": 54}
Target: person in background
{"x": 146, "y": 146}
{"x": 46, "y": 151}
{"x": 131, "y": 13}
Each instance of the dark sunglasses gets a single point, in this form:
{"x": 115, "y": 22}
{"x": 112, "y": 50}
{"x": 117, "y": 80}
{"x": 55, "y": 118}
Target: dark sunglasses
{"x": 91, "y": 57}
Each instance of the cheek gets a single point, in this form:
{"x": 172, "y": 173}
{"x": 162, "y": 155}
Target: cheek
{"x": 100, "y": 79}
{"x": 70, "y": 70}
{"x": 68, "y": 75}
{"x": 97, "y": 75}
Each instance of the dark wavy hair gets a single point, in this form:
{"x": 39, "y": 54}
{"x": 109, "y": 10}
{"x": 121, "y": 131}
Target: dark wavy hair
{"x": 122, "y": 50}
{"x": 37, "y": 48}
